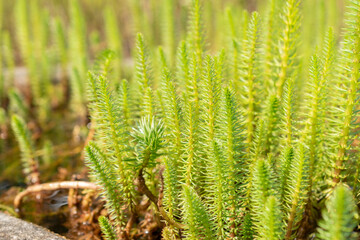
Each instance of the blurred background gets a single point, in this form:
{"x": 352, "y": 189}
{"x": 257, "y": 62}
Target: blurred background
{"x": 146, "y": 16}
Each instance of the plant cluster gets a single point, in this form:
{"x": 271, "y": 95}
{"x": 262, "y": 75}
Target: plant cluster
{"x": 258, "y": 140}
{"x": 240, "y": 161}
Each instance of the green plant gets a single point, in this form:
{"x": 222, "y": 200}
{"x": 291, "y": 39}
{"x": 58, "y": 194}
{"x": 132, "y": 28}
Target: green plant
{"x": 238, "y": 133}
{"x": 29, "y": 161}
{"x": 340, "y": 216}
{"x": 206, "y": 158}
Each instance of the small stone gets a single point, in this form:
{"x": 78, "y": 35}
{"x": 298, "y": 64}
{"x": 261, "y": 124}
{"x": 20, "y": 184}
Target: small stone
{"x": 12, "y": 228}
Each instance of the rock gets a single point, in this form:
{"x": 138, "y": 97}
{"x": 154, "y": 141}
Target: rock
{"x": 12, "y": 228}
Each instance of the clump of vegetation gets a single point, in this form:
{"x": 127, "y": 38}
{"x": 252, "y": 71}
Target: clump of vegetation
{"x": 253, "y": 136}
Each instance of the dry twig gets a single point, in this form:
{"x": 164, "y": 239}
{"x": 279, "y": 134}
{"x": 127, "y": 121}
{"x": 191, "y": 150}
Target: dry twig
{"x": 52, "y": 187}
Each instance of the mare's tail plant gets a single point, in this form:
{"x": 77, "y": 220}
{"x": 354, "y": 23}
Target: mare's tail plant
{"x": 231, "y": 152}
{"x": 348, "y": 81}
{"x": 28, "y": 158}
{"x": 242, "y": 132}
{"x": 340, "y": 216}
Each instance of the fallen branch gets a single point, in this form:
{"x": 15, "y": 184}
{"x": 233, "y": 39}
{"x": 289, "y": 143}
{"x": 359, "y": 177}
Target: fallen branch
{"x": 52, "y": 187}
